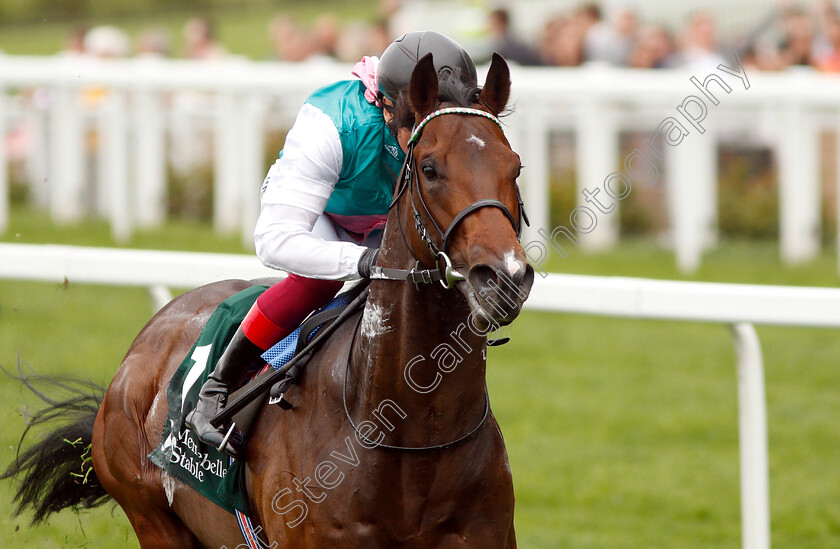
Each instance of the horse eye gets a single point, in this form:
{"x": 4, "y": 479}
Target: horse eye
{"x": 429, "y": 173}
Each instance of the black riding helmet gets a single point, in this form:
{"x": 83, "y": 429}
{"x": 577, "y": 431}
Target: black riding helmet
{"x": 398, "y": 60}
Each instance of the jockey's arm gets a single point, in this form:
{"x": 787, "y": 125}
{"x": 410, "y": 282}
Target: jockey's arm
{"x": 294, "y": 195}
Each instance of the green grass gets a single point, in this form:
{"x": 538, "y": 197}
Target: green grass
{"x": 79, "y": 331}
{"x": 621, "y": 433}
{"x": 738, "y": 261}
{"x": 29, "y": 225}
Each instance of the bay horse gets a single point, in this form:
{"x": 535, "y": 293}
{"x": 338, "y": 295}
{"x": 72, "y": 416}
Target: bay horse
{"x": 391, "y": 442}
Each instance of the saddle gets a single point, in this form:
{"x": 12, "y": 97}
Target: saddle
{"x": 204, "y": 468}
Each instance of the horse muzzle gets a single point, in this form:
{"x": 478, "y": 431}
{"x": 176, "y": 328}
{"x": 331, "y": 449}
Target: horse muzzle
{"x": 496, "y": 292}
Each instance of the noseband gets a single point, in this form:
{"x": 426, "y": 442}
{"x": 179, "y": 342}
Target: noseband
{"x": 444, "y": 273}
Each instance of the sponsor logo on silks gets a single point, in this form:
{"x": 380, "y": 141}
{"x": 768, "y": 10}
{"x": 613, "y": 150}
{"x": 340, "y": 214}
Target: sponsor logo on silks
{"x": 393, "y": 150}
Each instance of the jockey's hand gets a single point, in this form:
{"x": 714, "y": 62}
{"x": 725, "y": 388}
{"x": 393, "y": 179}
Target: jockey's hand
{"x": 366, "y": 261}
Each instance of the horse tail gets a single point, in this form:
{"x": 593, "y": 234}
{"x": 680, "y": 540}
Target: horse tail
{"x": 57, "y": 471}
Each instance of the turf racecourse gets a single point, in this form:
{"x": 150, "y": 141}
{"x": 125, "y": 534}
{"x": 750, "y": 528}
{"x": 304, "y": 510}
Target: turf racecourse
{"x": 621, "y": 433}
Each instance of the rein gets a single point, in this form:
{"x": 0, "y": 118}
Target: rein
{"x": 373, "y": 443}
{"x": 443, "y": 273}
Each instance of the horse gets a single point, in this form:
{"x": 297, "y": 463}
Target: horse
{"x": 391, "y": 441}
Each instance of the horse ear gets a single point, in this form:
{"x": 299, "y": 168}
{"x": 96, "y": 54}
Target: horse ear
{"x": 496, "y": 90}
{"x": 423, "y": 89}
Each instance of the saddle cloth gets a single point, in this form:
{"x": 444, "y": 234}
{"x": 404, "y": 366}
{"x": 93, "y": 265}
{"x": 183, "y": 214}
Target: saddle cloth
{"x": 212, "y": 473}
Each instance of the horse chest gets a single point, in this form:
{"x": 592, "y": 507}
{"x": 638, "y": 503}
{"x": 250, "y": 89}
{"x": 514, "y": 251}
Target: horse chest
{"x": 362, "y": 497}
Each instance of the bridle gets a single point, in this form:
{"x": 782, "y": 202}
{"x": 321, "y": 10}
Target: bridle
{"x": 443, "y": 273}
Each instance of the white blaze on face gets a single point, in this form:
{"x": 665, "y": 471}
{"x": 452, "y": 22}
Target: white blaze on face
{"x": 476, "y": 140}
{"x": 375, "y": 321}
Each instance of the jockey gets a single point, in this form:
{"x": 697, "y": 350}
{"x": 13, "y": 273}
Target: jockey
{"x": 324, "y": 203}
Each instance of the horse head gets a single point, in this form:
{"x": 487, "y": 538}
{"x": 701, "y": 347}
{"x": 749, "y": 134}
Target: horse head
{"x": 465, "y": 203}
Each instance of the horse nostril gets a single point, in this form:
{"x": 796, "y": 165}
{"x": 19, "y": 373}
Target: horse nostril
{"x": 498, "y": 294}
{"x": 481, "y": 276}
{"x": 488, "y": 278}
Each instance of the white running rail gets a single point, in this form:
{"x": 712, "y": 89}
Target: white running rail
{"x": 152, "y": 113}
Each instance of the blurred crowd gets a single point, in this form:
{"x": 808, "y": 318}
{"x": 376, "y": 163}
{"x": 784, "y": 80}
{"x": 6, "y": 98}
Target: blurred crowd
{"x": 287, "y": 40}
{"x": 787, "y": 36}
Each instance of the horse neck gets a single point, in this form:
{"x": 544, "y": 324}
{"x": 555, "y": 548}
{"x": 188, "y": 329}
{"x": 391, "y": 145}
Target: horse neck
{"x": 426, "y": 329}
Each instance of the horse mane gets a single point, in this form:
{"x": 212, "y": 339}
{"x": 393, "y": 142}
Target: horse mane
{"x": 457, "y": 93}
{"x": 453, "y": 90}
